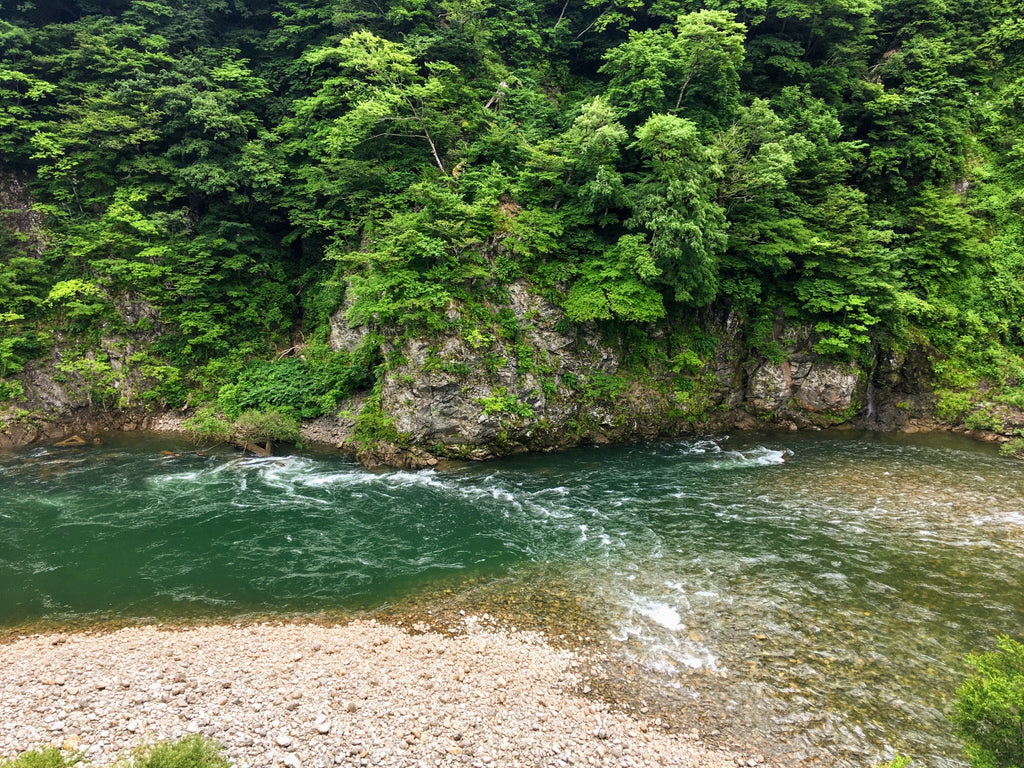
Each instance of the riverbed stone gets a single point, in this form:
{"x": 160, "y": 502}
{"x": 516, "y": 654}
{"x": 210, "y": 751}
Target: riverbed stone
{"x": 399, "y": 721}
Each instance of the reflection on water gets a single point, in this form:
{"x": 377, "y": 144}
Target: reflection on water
{"x": 810, "y": 596}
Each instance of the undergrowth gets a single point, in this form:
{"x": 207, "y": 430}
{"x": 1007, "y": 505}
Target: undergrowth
{"x": 191, "y": 752}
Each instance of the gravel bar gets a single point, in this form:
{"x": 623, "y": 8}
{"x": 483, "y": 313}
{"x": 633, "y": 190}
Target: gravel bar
{"x": 307, "y": 695}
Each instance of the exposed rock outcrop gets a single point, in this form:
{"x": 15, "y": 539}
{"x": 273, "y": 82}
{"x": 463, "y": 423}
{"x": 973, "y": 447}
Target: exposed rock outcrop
{"x": 534, "y": 381}
{"x": 525, "y": 380}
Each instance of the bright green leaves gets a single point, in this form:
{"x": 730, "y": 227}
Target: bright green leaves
{"x": 300, "y": 387}
{"x": 209, "y": 105}
{"x": 79, "y": 301}
{"x": 760, "y": 158}
{"x": 96, "y": 142}
{"x": 368, "y": 59}
{"x": 691, "y": 69}
{"x": 578, "y": 169}
{"x": 20, "y": 92}
{"x": 413, "y": 263}
{"x": 989, "y": 709}
{"x": 847, "y": 278}
{"x": 613, "y": 14}
{"x": 674, "y": 206}
{"x": 378, "y": 94}
{"x": 128, "y": 247}
{"x": 617, "y": 285}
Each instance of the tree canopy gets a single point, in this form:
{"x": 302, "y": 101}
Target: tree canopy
{"x": 249, "y": 168}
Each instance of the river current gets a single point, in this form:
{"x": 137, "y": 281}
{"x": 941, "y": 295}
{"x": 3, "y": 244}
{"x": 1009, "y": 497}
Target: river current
{"x": 809, "y": 597}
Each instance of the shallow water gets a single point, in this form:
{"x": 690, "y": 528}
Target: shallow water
{"x": 808, "y": 595}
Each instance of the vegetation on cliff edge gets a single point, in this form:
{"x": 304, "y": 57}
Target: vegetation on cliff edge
{"x": 216, "y": 179}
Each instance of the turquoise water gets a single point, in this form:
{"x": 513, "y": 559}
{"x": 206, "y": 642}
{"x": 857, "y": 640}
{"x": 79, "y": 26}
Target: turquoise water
{"x": 808, "y": 595}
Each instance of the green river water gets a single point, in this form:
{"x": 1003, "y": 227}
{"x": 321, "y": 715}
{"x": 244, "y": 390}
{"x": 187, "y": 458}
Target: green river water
{"x": 807, "y": 596}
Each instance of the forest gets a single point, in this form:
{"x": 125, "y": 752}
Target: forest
{"x": 227, "y": 174}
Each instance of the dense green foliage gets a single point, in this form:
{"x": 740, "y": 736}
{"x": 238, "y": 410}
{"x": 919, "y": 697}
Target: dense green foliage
{"x": 249, "y": 168}
{"x": 989, "y": 711}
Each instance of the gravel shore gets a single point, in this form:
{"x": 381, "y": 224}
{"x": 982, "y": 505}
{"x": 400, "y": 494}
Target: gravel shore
{"x": 311, "y": 696}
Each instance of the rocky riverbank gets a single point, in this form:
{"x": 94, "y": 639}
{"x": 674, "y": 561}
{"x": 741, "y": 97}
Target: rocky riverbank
{"x": 552, "y": 385}
{"x": 525, "y": 379}
{"x": 361, "y": 694}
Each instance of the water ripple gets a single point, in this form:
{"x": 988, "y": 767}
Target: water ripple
{"x": 813, "y": 589}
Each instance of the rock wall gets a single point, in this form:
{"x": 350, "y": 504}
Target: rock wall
{"x": 88, "y": 388}
{"x": 551, "y": 384}
{"x": 527, "y": 379}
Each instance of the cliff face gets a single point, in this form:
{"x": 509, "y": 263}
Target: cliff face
{"x": 527, "y": 381}
{"x": 541, "y": 383}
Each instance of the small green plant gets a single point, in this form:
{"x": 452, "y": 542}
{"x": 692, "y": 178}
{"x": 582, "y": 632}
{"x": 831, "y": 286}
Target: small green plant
{"x": 191, "y": 752}
{"x": 478, "y": 340}
{"x": 96, "y": 377}
{"x": 952, "y": 406}
{"x": 900, "y": 761}
{"x": 501, "y": 402}
{"x": 41, "y": 758}
{"x": 11, "y": 389}
{"x": 1012, "y": 448}
{"x": 982, "y": 419}
{"x": 989, "y": 710}
{"x": 601, "y": 386}
{"x": 260, "y": 426}
{"x": 372, "y": 425}
{"x": 507, "y": 324}
{"x": 524, "y": 358}
{"x": 207, "y": 425}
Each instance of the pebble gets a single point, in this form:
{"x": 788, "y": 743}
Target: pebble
{"x": 379, "y": 695}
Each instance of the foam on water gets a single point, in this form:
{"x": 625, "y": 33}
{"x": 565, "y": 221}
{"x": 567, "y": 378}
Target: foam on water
{"x": 754, "y": 457}
{"x": 662, "y": 614}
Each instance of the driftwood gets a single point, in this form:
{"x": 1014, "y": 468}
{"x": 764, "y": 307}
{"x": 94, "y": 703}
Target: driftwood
{"x": 71, "y": 441}
{"x": 251, "y": 446}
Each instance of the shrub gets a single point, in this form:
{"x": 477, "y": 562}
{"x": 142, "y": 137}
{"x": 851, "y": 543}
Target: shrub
{"x": 11, "y": 390}
{"x": 305, "y": 387}
{"x": 191, "y": 752}
{"x": 1012, "y": 448}
{"x": 41, "y": 758}
{"x": 207, "y": 425}
{"x": 373, "y": 426}
{"x": 260, "y": 426}
{"x": 989, "y": 709}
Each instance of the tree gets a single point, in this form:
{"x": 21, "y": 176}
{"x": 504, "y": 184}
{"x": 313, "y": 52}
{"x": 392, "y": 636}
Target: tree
{"x": 673, "y": 204}
{"x": 379, "y": 93}
{"x": 846, "y": 282}
{"x": 691, "y": 69}
{"x": 759, "y": 157}
{"x": 617, "y": 284}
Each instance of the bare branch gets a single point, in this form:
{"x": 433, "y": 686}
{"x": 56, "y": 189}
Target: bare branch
{"x": 596, "y": 19}
{"x": 561, "y": 15}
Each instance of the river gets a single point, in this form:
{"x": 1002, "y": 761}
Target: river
{"x": 809, "y": 596}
